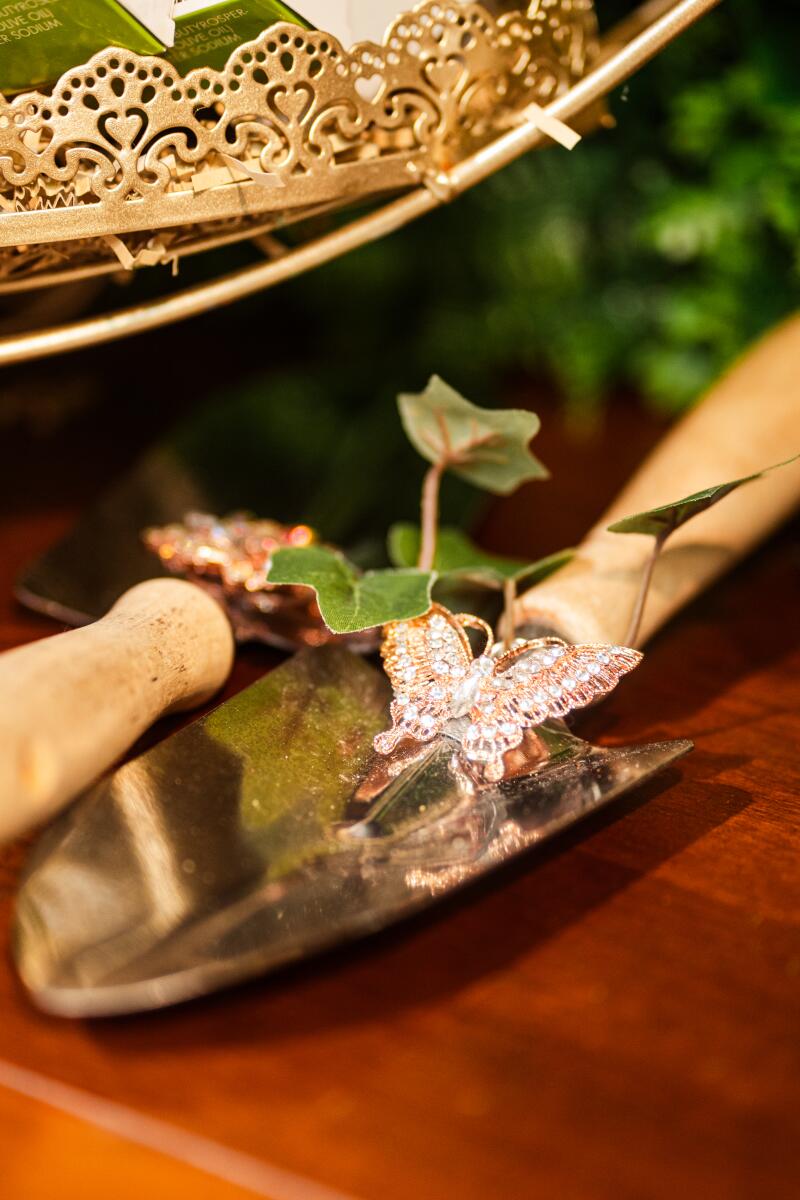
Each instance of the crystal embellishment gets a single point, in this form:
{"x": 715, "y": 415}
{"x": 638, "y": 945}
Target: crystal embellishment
{"x": 438, "y": 683}
{"x": 236, "y": 551}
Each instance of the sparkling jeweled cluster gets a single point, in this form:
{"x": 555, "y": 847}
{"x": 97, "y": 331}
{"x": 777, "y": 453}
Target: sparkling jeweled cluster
{"x": 439, "y": 685}
{"x": 236, "y": 551}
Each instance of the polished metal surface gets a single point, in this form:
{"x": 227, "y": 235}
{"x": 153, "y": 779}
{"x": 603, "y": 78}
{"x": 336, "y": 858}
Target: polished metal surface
{"x": 83, "y": 575}
{"x": 104, "y": 555}
{"x": 269, "y": 831}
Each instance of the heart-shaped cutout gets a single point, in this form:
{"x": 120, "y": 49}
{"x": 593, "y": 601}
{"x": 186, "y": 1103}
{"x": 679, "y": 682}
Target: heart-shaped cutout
{"x": 123, "y": 131}
{"x": 291, "y": 105}
{"x": 369, "y": 86}
{"x": 445, "y": 76}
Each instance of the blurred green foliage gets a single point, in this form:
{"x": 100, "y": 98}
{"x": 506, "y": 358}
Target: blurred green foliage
{"x": 645, "y": 260}
{"x": 648, "y": 257}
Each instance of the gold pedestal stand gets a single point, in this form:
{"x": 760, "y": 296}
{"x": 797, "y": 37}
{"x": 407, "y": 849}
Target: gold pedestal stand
{"x": 127, "y": 165}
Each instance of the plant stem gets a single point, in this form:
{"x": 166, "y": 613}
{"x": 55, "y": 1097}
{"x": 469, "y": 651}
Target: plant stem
{"x": 509, "y": 623}
{"x": 430, "y": 516}
{"x": 635, "y": 624}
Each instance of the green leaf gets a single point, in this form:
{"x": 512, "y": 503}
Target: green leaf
{"x": 457, "y": 556}
{"x": 538, "y": 571}
{"x": 348, "y": 600}
{"x": 662, "y": 521}
{"x": 487, "y": 447}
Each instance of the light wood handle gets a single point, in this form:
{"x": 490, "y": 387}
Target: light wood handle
{"x": 748, "y": 421}
{"x": 70, "y": 705}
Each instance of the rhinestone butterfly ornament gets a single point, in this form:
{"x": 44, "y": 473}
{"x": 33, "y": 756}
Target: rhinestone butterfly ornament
{"x": 487, "y": 703}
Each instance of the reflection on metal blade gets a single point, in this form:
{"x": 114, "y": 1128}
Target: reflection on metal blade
{"x": 258, "y": 836}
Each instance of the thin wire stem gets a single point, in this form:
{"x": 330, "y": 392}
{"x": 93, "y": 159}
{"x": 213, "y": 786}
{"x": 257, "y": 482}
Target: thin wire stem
{"x": 635, "y": 624}
{"x": 430, "y": 516}
{"x": 509, "y": 620}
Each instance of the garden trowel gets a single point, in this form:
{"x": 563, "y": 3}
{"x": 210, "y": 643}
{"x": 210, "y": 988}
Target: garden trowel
{"x": 267, "y": 831}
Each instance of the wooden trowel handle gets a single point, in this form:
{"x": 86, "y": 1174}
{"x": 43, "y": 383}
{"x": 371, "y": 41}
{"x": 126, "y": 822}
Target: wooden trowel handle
{"x": 748, "y": 421}
{"x": 70, "y": 705}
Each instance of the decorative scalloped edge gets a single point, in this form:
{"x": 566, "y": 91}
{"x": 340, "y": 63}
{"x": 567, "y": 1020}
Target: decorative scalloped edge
{"x": 124, "y": 145}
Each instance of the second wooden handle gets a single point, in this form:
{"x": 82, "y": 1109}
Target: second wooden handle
{"x": 749, "y": 420}
{"x": 70, "y": 705}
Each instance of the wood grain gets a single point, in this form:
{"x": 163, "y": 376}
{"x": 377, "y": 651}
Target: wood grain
{"x": 615, "y": 1019}
{"x": 72, "y": 704}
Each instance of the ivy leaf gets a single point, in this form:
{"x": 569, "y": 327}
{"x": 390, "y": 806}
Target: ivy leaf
{"x": 536, "y": 572}
{"x": 349, "y": 601}
{"x": 662, "y": 521}
{"x": 458, "y": 557}
{"x": 455, "y": 553}
{"x": 487, "y": 447}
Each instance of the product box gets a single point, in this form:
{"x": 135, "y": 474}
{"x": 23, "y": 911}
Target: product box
{"x": 207, "y": 34}
{"x": 41, "y": 39}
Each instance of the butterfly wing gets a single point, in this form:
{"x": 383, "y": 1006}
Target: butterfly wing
{"x": 425, "y": 660}
{"x": 546, "y": 683}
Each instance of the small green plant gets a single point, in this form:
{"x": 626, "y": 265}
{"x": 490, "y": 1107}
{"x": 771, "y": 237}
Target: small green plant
{"x": 491, "y": 450}
{"x": 660, "y": 524}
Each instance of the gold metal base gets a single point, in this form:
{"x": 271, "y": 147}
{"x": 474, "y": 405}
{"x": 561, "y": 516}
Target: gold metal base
{"x": 126, "y": 159}
{"x": 445, "y": 116}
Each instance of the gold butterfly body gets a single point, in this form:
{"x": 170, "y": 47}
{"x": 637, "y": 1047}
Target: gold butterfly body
{"x": 438, "y": 683}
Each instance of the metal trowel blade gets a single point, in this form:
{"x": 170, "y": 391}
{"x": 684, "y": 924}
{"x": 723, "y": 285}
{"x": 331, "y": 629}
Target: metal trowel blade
{"x": 229, "y": 455}
{"x": 103, "y": 555}
{"x": 240, "y": 843}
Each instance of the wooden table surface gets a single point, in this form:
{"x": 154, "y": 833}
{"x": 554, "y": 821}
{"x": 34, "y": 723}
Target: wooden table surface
{"x": 617, "y": 1018}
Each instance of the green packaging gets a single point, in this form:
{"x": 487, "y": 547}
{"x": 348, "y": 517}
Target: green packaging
{"x": 41, "y": 39}
{"x": 207, "y": 34}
